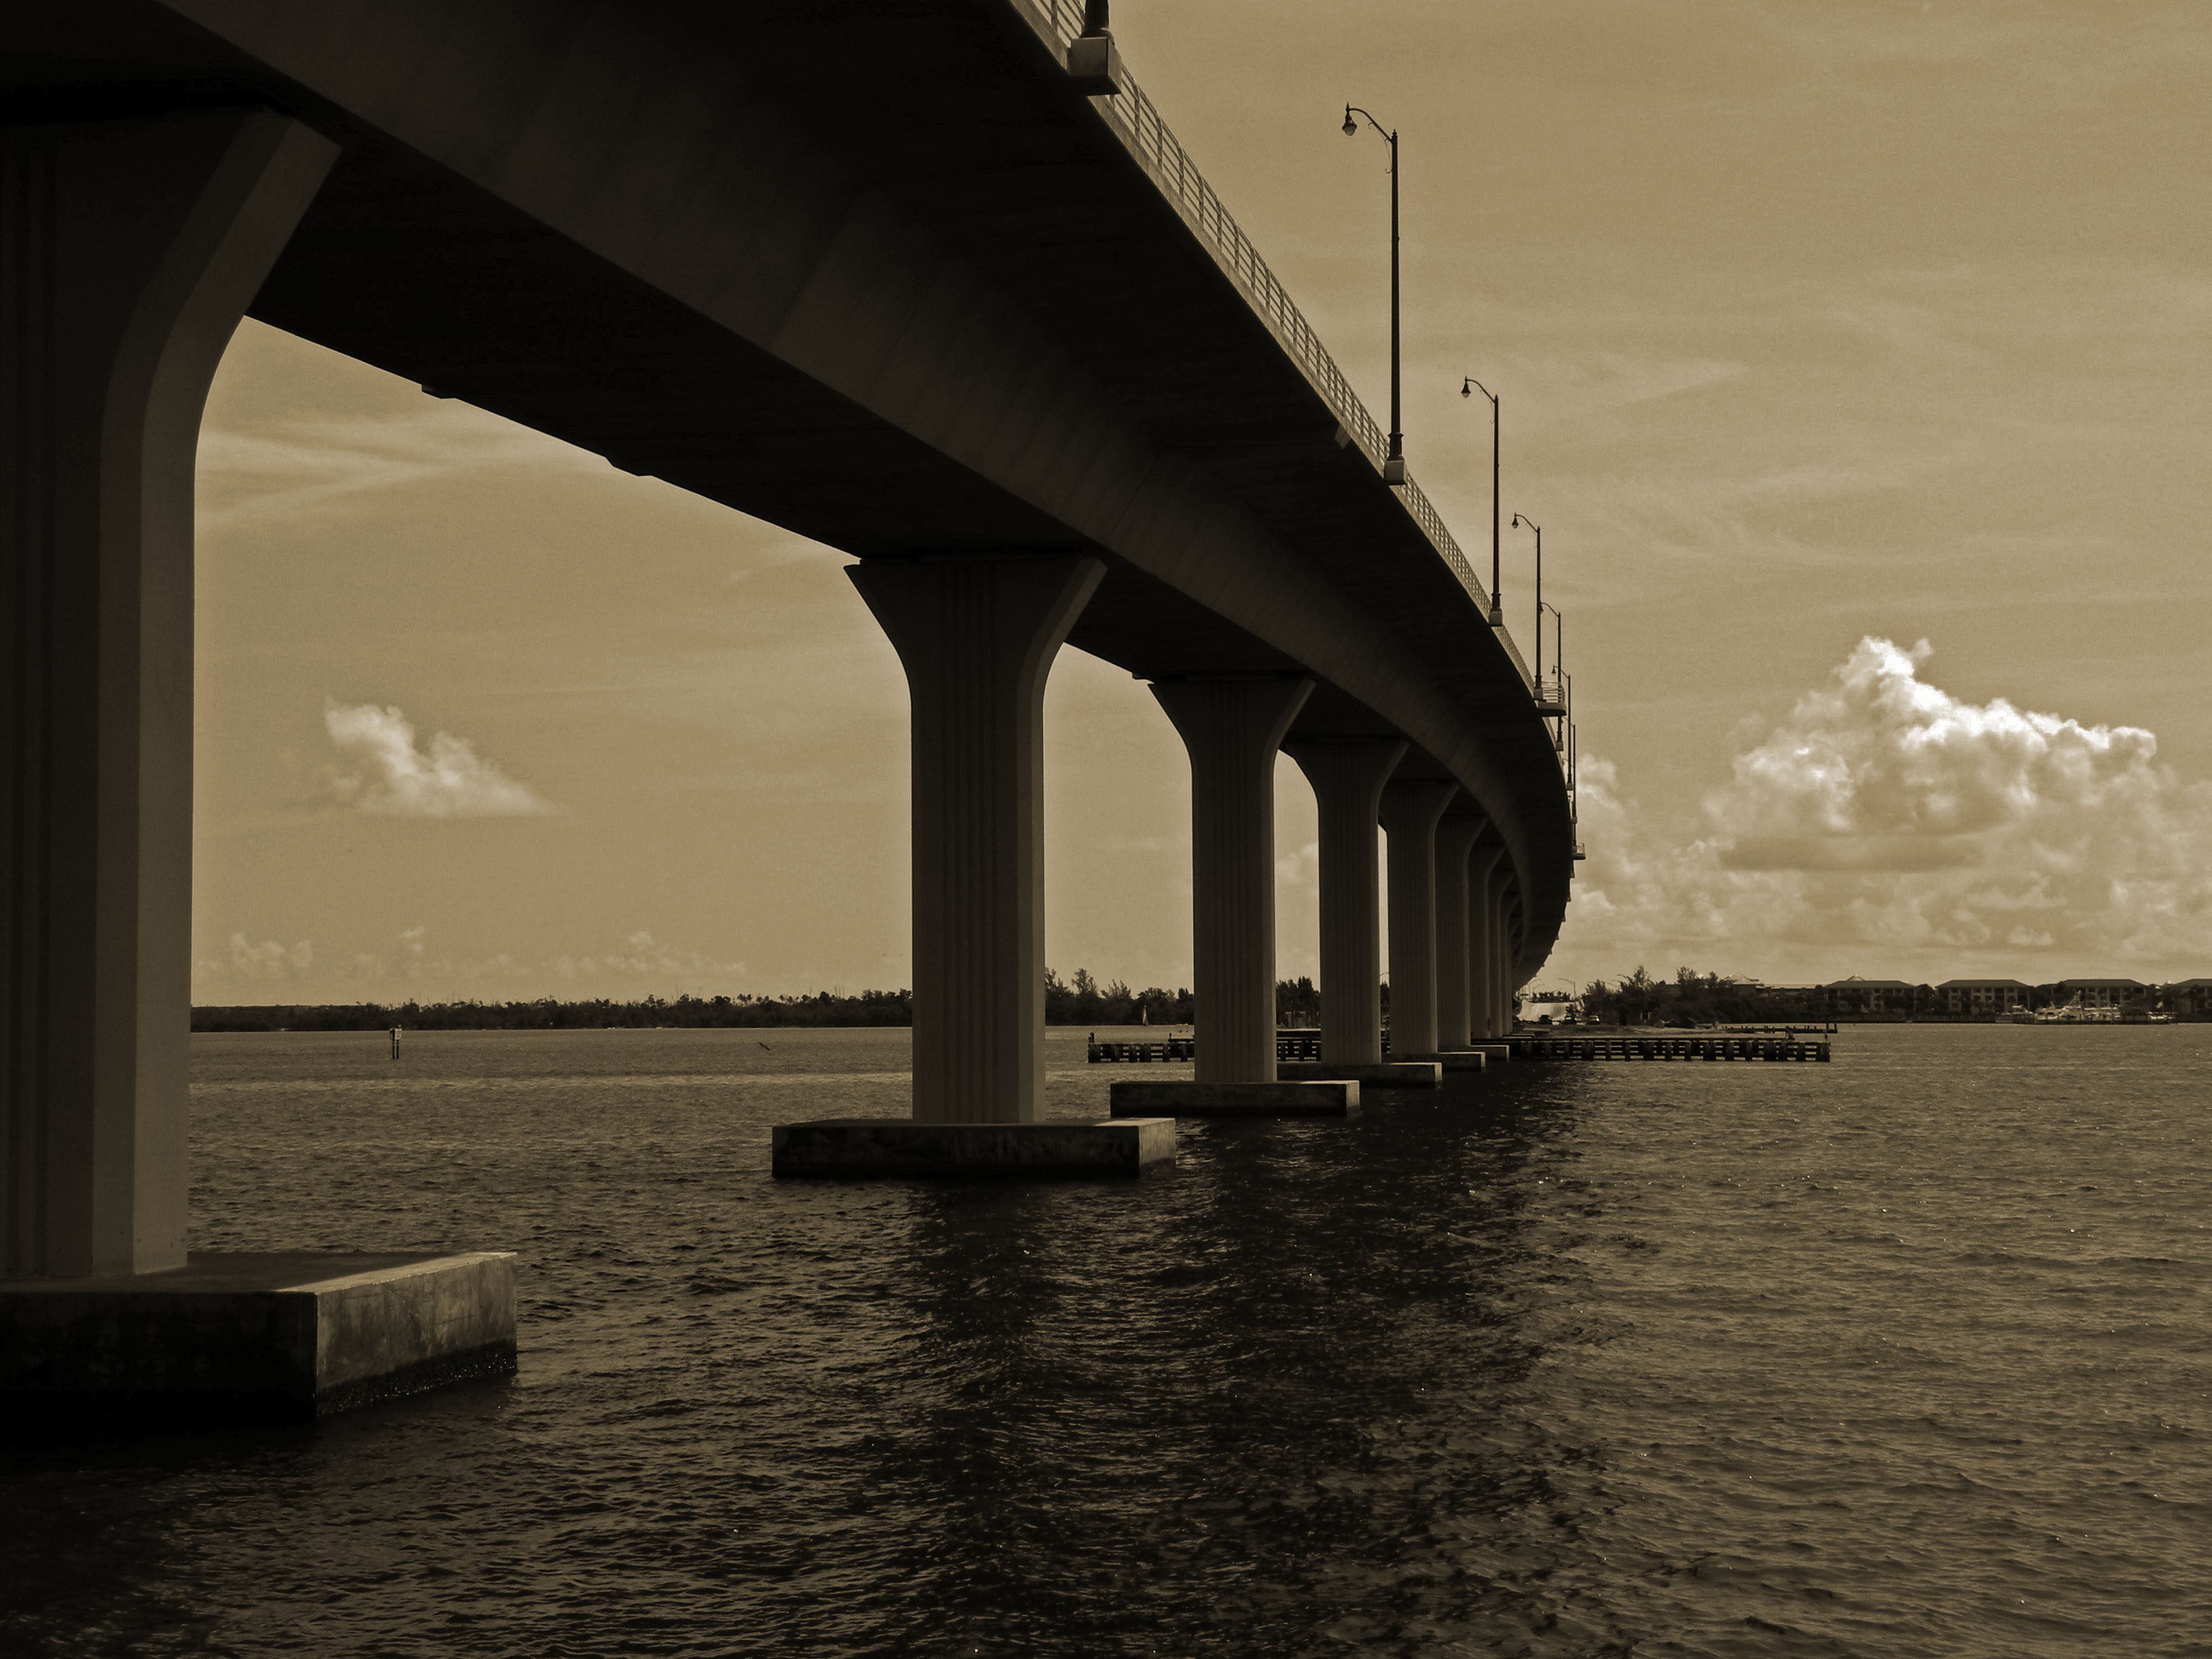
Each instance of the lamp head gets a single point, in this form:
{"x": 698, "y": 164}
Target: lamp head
{"x": 1467, "y": 387}
{"x": 1351, "y": 126}
{"x": 1516, "y": 521}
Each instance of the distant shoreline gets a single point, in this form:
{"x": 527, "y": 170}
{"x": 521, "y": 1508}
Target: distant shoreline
{"x": 1065, "y": 1005}
{"x": 869, "y": 1008}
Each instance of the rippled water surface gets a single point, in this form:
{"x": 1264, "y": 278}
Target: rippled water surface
{"x": 1903, "y": 1355}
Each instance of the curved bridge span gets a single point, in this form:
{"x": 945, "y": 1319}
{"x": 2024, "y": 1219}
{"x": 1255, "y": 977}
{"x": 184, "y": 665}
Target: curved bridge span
{"x": 885, "y": 275}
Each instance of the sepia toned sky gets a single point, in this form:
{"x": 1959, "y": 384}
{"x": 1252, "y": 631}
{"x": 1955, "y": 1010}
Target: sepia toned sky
{"x": 1858, "y": 360}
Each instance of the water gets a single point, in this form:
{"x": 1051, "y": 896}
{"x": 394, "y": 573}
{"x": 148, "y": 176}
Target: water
{"x": 1903, "y": 1355}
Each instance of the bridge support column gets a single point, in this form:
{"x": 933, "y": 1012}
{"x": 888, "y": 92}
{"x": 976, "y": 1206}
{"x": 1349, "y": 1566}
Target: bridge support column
{"x": 1509, "y": 980}
{"x": 133, "y": 248}
{"x": 1482, "y": 942}
{"x": 1409, "y": 814}
{"x": 1501, "y": 954}
{"x": 1347, "y": 775}
{"x": 1233, "y": 728}
{"x": 1455, "y": 839}
{"x": 977, "y": 636}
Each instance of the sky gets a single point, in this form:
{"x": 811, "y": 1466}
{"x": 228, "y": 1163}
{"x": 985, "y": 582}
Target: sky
{"x": 1856, "y": 359}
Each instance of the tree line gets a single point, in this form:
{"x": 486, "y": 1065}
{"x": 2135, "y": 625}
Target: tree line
{"x": 1079, "y": 1001}
{"x": 1694, "y": 998}
{"x": 549, "y": 1014}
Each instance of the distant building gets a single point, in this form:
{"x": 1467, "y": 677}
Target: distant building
{"x": 1981, "y": 996}
{"x": 2191, "y": 999}
{"x": 2105, "y": 993}
{"x": 1867, "y": 996}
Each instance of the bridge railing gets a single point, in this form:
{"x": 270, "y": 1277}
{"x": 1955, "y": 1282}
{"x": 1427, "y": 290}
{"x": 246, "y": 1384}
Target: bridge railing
{"x": 1138, "y": 122}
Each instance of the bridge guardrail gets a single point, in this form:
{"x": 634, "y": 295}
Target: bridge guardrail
{"x": 1138, "y": 122}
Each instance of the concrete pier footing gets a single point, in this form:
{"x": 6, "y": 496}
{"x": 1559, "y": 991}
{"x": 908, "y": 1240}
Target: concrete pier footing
{"x": 861, "y": 1148}
{"x": 1332, "y": 1098}
{"x": 240, "y": 1338}
{"x": 1459, "y": 1060}
{"x": 1376, "y": 1074}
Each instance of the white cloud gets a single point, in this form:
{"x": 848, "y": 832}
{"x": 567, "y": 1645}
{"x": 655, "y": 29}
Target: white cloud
{"x": 646, "y": 958}
{"x": 269, "y": 960}
{"x": 1888, "y": 822}
{"x": 394, "y": 778}
{"x": 641, "y": 964}
{"x": 306, "y": 467}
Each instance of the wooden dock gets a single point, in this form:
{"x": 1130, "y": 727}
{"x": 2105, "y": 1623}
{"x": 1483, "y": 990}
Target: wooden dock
{"x": 1784, "y": 1044}
{"x": 1691, "y": 1045}
{"x": 1170, "y": 1051}
{"x": 1291, "y": 1044}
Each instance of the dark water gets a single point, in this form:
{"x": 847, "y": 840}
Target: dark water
{"x": 1903, "y": 1355}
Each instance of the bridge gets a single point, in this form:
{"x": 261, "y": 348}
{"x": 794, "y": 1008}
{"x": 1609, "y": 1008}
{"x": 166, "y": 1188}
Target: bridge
{"x": 927, "y": 280}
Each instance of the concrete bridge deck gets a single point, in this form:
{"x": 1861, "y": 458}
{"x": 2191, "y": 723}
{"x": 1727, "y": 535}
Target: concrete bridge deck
{"x": 881, "y": 276}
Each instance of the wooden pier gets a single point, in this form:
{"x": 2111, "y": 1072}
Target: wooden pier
{"x": 1616, "y": 1043}
{"x": 1289, "y": 1045}
{"x": 1170, "y": 1051}
{"x": 1690, "y": 1045}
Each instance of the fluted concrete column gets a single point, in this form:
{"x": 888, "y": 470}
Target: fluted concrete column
{"x": 1483, "y": 882}
{"x": 129, "y": 249}
{"x": 1347, "y": 775}
{"x": 1455, "y": 839}
{"x": 1232, "y": 728}
{"x": 1409, "y": 813}
{"x": 1501, "y": 952}
{"x": 1510, "y": 980}
{"x": 978, "y": 637}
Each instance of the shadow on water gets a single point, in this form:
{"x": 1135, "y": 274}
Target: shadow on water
{"x": 1288, "y": 1399}
{"x": 1272, "y": 1403}
{"x": 105, "y": 1531}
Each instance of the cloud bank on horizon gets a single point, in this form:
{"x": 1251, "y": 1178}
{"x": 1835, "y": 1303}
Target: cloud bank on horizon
{"x": 394, "y": 778}
{"x": 1886, "y": 822}
{"x": 641, "y": 963}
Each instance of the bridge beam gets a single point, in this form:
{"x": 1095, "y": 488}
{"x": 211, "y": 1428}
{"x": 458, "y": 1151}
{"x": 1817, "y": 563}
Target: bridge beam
{"x": 1409, "y": 813}
{"x": 977, "y": 636}
{"x": 1455, "y": 839}
{"x": 1232, "y": 728}
{"x": 1347, "y": 775}
{"x": 134, "y": 247}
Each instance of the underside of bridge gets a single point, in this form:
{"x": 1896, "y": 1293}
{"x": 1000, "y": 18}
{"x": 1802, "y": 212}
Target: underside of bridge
{"x": 880, "y": 274}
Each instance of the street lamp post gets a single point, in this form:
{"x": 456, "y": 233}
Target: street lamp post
{"x": 1519, "y": 520}
{"x": 1467, "y": 388}
{"x": 1394, "y": 466}
{"x": 1094, "y": 64}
